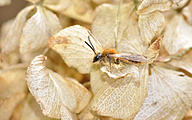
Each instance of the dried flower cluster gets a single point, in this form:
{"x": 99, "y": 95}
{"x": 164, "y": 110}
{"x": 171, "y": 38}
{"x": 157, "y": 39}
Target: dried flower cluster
{"x": 47, "y": 51}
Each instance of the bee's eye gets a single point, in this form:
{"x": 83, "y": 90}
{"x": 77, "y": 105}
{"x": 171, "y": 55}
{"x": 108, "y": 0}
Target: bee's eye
{"x": 97, "y": 57}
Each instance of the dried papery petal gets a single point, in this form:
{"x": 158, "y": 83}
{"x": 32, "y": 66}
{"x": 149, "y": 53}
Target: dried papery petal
{"x": 104, "y": 23}
{"x": 14, "y": 34}
{"x": 96, "y": 79}
{"x": 52, "y": 91}
{"x": 150, "y": 25}
{"x": 169, "y": 95}
{"x": 177, "y": 35}
{"x": 72, "y": 8}
{"x": 87, "y": 114}
{"x": 12, "y": 81}
{"x": 163, "y": 56}
{"x": 8, "y": 105}
{"x": 187, "y": 12}
{"x": 5, "y": 27}
{"x": 131, "y": 41}
{"x": 153, "y": 51}
{"x": 56, "y": 63}
{"x": 83, "y": 96}
{"x": 122, "y": 98}
{"x": 38, "y": 29}
{"x": 179, "y": 4}
{"x": 98, "y": 76}
{"x": 148, "y": 6}
{"x": 5, "y": 2}
{"x": 184, "y": 62}
{"x": 119, "y": 71}
{"x": 66, "y": 114}
{"x": 32, "y": 110}
{"x": 176, "y": 1}
{"x": 70, "y": 44}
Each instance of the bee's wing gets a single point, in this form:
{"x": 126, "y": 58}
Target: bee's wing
{"x": 70, "y": 44}
{"x": 129, "y": 57}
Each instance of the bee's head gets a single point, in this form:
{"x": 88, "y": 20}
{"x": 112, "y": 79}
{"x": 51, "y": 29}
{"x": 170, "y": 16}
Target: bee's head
{"x": 97, "y": 57}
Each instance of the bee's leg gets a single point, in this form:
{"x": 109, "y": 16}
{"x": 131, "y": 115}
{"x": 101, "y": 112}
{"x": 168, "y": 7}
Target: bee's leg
{"x": 110, "y": 64}
{"x": 116, "y": 61}
{"x": 100, "y": 61}
{"x": 132, "y": 64}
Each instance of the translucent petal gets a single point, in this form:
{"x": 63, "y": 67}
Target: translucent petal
{"x": 148, "y": 6}
{"x": 105, "y": 22}
{"x": 52, "y": 91}
{"x": 177, "y": 35}
{"x": 70, "y": 44}
{"x": 121, "y": 98}
{"x": 13, "y": 36}
{"x": 150, "y": 25}
{"x": 187, "y": 12}
{"x": 72, "y": 8}
{"x": 32, "y": 111}
{"x": 38, "y": 29}
{"x": 184, "y": 62}
{"x": 169, "y": 95}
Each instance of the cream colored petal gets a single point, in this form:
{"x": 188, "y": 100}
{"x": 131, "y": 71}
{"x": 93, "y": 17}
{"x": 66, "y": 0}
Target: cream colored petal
{"x": 176, "y": 1}
{"x": 77, "y": 9}
{"x": 83, "y": 96}
{"x": 148, "y": 6}
{"x": 86, "y": 114}
{"x": 187, "y": 12}
{"x": 121, "y": 98}
{"x": 8, "y": 105}
{"x": 96, "y": 79}
{"x": 163, "y": 56}
{"x": 32, "y": 111}
{"x": 105, "y": 22}
{"x": 177, "y": 4}
{"x": 99, "y": 75}
{"x": 153, "y": 51}
{"x": 52, "y": 91}
{"x": 5, "y": 27}
{"x": 66, "y": 114}
{"x": 70, "y": 44}
{"x": 119, "y": 71}
{"x": 177, "y": 35}
{"x": 38, "y": 29}
{"x": 169, "y": 96}
{"x": 131, "y": 41}
{"x": 184, "y": 62}
{"x": 14, "y": 34}
{"x": 12, "y": 81}
{"x": 5, "y": 2}
{"x": 150, "y": 25}
{"x": 56, "y": 63}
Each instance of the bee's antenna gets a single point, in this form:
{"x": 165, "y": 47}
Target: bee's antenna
{"x": 91, "y": 43}
{"x": 91, "y": 46}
